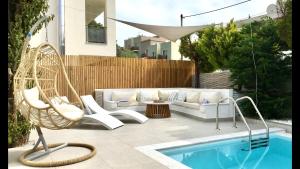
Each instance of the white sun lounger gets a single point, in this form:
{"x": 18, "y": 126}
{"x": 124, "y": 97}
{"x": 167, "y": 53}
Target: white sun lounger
{"x": 106, "y": 120}
{"x": 89, "y": 102}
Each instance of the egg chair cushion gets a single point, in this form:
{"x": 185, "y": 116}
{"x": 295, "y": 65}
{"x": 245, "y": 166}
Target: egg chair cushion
{"x": 32, "y": 97}
{"x": 69, "y": 111}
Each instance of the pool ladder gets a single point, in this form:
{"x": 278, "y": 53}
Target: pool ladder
{"x": 253, "y": 143}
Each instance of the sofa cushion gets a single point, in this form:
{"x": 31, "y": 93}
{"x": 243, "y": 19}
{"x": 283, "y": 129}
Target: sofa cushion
{"x": 192, "y": 97}
{"x": 110, "y": 105}
{"x": 209, "y": 97}
{"x": 129, "y": 96}
{"x": 149, "y": 95}
{"x": 188, "y": 105}
{"x": 142, "y": 104}
{"x": 127, "y": 104}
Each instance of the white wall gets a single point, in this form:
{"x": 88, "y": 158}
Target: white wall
{"x": 75, "y": 34}
{"x": 52, "y": 28}
{"x": 175, "y": 54}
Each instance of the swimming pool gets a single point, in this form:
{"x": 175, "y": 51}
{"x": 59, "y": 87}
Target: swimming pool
{"x": 230, "y": 154}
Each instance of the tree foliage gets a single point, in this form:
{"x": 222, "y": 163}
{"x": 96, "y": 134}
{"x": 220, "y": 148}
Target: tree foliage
{"x": 122, "y": 52}
{"x": 285, "y": 22}
{"x": 189, "y": 49}
{"x": 212, "y": 47}
{"x": 94, "y": 24}
{"x": 217, "y": 44}
{"x": 273, "y": 69}
{"x": 22, "y": 15}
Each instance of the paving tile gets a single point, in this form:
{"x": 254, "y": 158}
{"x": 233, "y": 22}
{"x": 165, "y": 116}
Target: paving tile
{"x": 116, "y": 148}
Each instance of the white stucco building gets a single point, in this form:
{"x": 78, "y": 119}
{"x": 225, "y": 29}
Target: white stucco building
{"x": 167, "y": 50}
{"x": 71, "y": 31}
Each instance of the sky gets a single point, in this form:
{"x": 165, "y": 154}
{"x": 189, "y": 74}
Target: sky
{"x": 167, "y": 12}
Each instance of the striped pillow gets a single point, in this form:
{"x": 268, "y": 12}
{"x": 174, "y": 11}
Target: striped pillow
{"x": 181, "y": 96}
{"x": 172, "y": 97}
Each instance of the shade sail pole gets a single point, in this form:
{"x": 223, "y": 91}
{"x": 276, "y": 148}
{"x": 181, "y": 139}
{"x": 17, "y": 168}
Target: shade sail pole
{"x": 181, "y": 20}
{"x": 181, "y": 24}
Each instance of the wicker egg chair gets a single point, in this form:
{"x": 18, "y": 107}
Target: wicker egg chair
{"x": 37, "y": 98}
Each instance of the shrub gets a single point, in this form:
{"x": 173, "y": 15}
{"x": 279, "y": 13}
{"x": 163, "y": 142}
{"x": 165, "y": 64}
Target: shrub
{"x": 18, "y": 130}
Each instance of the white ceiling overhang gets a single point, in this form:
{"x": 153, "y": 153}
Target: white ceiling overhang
{"x": 93, "y": 9}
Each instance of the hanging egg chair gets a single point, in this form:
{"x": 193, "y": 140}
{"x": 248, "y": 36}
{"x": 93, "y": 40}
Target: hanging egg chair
{"x": 37, "y": 98}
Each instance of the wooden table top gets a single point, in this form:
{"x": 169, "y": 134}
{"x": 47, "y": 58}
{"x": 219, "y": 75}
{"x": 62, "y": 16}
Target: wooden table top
{"x": 156, "y": 103}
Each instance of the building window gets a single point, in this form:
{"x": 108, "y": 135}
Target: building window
{"x": 94, "y": 21}
{"x": 146, "y": 52}
{"x": 153, "y": 54}
{"x": 165, "y": 53}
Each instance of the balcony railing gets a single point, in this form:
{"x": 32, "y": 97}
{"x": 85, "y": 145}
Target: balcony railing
{"x": 95, "y": 34}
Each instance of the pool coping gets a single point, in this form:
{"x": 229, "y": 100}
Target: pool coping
{"x": 151, "y": 150}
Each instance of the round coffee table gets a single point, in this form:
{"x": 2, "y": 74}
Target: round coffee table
{"x": 157, "y": 110}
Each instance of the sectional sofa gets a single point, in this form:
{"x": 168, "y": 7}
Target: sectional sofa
{"x": 192, "y": 101}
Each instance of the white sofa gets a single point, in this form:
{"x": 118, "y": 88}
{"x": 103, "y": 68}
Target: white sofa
{"x": 196, "y": 102}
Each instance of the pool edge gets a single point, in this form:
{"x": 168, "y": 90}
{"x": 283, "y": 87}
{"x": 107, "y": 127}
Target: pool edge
{"x": 152, "y": 150}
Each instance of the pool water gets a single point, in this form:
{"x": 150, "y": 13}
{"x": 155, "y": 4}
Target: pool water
{"x": 231, "y": 154}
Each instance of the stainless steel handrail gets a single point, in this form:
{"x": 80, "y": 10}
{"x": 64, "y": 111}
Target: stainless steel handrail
{"x": 217, "y": 118}
{"x": 239, "y": 111}
{"x": 257, "y": 111}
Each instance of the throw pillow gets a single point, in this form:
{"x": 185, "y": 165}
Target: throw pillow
{"x": 172, "y": 97}
{"x": 204, "y": 101}
{"x": 164, "y": 94}
{"x": 192, "y": 97}
{"x": 181, "y": 96}
{"x": 149, "y": 95}
{"x": 124, "y": 96}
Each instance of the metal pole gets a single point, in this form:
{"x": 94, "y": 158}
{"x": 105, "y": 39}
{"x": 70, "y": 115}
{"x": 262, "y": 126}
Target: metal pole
{"x": 217, "y": 118}
{"x": 254, "y": 63}
{"x": 181, "y": 20}
{"x": 181, "y": 24}
{"x": 234, "y": 120}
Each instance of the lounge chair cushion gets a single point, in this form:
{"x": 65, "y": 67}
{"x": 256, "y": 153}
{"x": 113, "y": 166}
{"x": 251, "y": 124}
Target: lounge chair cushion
{"x": 209, "y": 97}
{"x": 192, "y": 97}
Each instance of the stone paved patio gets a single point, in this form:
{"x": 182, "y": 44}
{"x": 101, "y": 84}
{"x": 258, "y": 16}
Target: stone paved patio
{"x": 116, "y": 148}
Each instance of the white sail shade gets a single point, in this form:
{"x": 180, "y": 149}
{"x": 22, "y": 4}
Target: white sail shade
{"x": 171, "y": 33}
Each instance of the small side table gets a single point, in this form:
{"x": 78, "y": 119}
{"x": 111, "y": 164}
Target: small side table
{"x": 157, "y": 110}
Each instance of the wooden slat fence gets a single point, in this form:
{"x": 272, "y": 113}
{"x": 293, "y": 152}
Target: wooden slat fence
{"x": 88, "y": 73}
